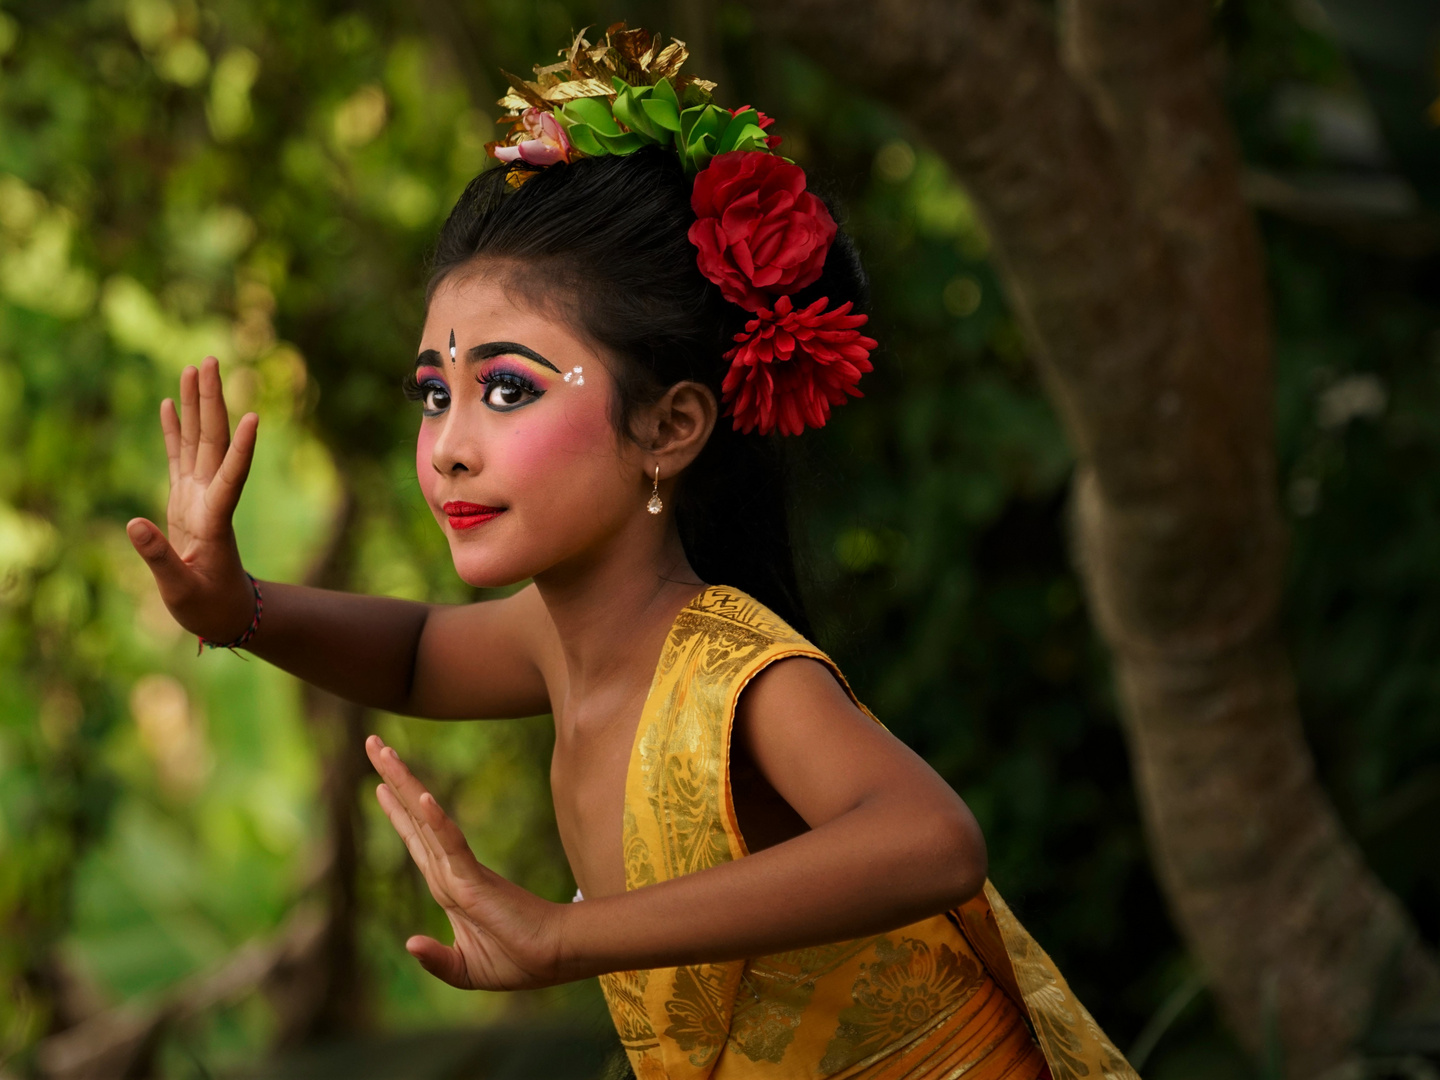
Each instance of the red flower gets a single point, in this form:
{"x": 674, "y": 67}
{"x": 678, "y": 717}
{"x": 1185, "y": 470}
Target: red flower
{"x": 771, "y": 141}
{"x": 759, "y": 232}
{"x": 792, "y": 366}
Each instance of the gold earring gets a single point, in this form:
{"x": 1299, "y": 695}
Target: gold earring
{"x": 655, "y": 505}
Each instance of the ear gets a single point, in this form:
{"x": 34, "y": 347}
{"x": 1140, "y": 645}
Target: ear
{"x": 678, "y": 425}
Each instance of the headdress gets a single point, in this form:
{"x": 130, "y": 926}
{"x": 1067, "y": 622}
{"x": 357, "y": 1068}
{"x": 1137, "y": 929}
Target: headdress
{"x": 760, "y": 236}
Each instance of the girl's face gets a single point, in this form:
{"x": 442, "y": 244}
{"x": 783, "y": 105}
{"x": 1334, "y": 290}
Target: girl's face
{"x": 517, "y": 455}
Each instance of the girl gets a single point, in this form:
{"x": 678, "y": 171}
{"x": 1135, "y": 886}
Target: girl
{"x": 772, "y": 884}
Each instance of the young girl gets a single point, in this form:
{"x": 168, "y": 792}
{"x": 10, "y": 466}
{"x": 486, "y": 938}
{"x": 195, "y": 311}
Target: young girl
{"x": 618, "y": 320}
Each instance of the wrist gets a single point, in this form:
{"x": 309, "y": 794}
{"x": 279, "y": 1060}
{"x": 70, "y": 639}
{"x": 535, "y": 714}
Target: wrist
{"x": 254, "y": 606}
{"x": 571, "y": 932}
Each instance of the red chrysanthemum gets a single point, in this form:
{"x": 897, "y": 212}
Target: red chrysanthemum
{"x": 758, "y": 232}
{"x": 791, "y": 366}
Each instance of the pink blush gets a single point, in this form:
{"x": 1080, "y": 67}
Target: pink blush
{"x": 424, "y": 461}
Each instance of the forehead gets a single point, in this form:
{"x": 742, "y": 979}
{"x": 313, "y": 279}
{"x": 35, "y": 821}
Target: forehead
{"x": 483, "y": 306}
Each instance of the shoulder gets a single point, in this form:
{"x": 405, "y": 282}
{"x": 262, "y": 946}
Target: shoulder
{"x": 735, "y": 610}
{"x": 792, "y": 685}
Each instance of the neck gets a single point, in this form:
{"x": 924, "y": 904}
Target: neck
{"x": 613, "y": 609}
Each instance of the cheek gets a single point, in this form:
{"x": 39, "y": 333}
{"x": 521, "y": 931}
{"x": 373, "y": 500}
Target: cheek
{"x": 424, "y": 460}
{"x": 568, "y": 448}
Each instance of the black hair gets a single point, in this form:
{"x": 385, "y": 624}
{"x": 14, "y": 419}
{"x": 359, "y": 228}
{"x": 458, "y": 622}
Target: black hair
{"x": 606, "y": 238}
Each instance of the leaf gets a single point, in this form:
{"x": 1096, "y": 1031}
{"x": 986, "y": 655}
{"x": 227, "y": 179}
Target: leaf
{"x": 663, "y": 107}
{"x": 741, "y": 137}
{"x": 582, "y": 137}
{"x": 662, "y": 114}
{"x": 594, "y": 112}
{"x": 625, "y": 143}
{"x": 628, "y": 109}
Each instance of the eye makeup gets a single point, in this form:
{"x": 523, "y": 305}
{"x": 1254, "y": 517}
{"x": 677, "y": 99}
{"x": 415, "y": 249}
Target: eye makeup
{"x": 506, "y": 387}
{"x": 426, "y": 385}
{"x": 508, "y": 348}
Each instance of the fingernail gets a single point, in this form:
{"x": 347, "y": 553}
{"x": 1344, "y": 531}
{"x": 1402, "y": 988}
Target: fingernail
{"x": 137, "y": 532}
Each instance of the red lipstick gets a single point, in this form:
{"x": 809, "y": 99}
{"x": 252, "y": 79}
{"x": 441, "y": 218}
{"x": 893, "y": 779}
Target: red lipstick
{"x": 464, "y": 515}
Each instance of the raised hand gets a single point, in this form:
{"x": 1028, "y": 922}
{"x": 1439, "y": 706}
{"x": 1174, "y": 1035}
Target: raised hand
{"x": 198, "y": 569}
{"x": 505, "y": 938}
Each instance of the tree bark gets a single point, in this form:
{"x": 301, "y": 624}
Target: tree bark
{"x": 1106, "y": 171}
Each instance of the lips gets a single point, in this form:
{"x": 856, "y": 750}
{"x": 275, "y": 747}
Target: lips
{"x": 464, "y": 515}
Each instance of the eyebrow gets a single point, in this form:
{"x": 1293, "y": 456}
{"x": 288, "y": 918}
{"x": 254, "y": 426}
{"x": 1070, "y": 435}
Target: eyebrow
{"x": 507, "y": 348}
{"x": 431, "y": 357}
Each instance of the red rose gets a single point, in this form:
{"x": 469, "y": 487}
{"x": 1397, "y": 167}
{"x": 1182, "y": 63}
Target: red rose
{"x": 792, "y": 366}
{"x": 759, "y": 232}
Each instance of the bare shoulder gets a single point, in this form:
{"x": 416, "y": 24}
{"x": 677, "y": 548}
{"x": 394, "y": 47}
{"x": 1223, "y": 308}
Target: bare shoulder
{"x": 486, "y": 659}
{"x": 822, "y": 753}
{"x": 796, "y": 720}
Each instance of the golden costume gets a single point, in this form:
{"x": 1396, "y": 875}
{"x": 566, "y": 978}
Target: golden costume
{"x": 968, "y": 993}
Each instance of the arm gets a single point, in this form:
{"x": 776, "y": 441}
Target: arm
{"x": 390, "y": 654}
{"x": 889, "y": 843}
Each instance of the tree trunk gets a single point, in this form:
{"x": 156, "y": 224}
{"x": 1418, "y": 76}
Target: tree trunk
{"x": 322, "y": 992}
{"x": 1107, "y": 174}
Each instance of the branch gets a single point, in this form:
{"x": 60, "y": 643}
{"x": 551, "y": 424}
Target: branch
{"x": 122, "y": 1041}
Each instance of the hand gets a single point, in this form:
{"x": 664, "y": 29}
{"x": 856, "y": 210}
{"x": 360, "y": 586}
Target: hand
{"x": 198, "y": 569}
{"x": 505, "y": 938}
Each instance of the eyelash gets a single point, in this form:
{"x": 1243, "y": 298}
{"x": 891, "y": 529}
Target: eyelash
{"x": 414, "y": 390}
{"x": 512, "y": 379}
{"x": 417, "y": 391}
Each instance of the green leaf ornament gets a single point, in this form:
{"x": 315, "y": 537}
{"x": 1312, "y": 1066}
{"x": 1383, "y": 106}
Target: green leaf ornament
{"x": 650, "y": 115}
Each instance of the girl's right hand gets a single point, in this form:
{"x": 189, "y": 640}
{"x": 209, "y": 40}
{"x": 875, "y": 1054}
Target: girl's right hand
{"x": 198, "y": 569}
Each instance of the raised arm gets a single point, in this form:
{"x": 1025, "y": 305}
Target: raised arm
{"x": 468, "y": 661}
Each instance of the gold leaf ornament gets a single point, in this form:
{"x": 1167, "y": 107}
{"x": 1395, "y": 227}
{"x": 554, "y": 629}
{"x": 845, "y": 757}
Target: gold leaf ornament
{"x": 636, "y": 57}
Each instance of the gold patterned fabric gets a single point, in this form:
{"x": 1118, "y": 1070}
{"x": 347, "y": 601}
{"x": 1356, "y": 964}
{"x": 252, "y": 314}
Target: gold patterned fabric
{"x": 965, "y": 993}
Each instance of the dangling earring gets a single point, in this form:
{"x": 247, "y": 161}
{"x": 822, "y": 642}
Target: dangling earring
{"x": 655, "y": 505}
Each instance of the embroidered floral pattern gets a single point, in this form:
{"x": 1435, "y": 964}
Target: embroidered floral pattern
{"x": 775, "y": 991}
{"x": 907, "y": 987}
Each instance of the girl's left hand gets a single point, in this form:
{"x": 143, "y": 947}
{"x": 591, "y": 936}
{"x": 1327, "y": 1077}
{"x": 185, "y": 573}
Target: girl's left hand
{"x": 505, "y": 937}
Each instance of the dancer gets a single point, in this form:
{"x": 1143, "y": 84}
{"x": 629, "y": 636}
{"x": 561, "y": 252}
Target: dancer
{"x": 622, "y": 320}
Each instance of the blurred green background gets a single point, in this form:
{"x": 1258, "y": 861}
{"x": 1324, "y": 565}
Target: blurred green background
{"x": 262, "y": 180}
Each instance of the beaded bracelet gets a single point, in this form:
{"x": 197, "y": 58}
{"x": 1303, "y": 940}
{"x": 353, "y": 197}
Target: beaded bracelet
{"x": 249, "y": 633}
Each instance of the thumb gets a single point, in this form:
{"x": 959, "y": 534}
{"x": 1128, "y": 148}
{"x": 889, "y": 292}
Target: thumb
{"x": 150, "y": 542}
{"x": 442, "y": 961}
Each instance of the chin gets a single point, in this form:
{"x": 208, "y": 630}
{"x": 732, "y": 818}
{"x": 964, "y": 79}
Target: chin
{"x": 482, "y": 567}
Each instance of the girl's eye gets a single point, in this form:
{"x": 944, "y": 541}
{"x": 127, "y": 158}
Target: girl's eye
{"x": 433, "y": 395}
{"x": 505, "y": 391}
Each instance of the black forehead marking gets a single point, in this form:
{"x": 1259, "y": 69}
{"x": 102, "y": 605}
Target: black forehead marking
{"x": 452, "y": 346}
{"x": 508, "y": 348}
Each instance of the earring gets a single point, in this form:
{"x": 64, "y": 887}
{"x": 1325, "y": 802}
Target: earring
{"x": 655, "y": 505}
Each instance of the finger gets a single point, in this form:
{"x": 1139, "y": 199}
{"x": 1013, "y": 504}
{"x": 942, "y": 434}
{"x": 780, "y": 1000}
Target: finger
{"x": 170, "y": 427}
{"x": 448, "y": 836}
{"x": 443, "y": 961}
{"x": 396, "y": 775}
{"x": 407, "y": 828}
{"x": 214, "y": 421}
{"x": 405, "y": 788}
{"x": 224, "y": 491}
{"x": 189, "y": 419}
{"x": 164, "y": 563}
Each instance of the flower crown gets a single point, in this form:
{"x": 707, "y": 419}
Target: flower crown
{"x": 760, "y": 236}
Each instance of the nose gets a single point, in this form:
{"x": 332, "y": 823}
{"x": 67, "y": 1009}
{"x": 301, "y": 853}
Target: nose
{"x": 453, "y": 452}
